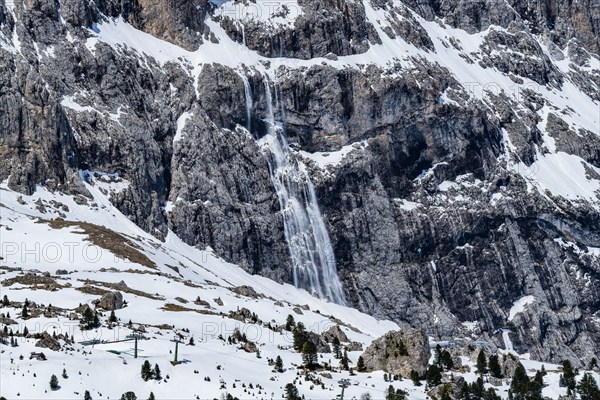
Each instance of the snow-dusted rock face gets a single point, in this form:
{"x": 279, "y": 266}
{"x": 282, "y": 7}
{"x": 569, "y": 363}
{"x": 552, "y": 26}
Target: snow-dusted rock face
{"x": 399, "y": 353}
{"x": 465, "y": 140}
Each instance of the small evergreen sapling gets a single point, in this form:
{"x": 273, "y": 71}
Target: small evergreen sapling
{"x": 54, "y": 382}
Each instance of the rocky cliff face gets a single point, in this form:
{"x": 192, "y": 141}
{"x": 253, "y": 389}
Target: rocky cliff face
{"x": 454, "y": 146}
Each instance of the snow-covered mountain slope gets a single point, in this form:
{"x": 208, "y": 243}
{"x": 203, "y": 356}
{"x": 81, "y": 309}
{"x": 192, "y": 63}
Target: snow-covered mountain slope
{"x": 453, "y": 149}
{"x": 56, "y": 257}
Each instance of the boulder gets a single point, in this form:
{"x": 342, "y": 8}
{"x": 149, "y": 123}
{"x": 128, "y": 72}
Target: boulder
{"x": 399, "y": 352}
{"x": 333, "y": 332}
{"x": 48, "y": 342}
{"x": 111, "y": 301}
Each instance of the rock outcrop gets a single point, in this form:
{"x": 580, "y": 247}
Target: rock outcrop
{"x": 399, "y": 353}
{"x": 111, "y": 301}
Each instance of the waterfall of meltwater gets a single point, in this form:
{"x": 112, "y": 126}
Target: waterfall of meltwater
{"x": 308, "y": 241}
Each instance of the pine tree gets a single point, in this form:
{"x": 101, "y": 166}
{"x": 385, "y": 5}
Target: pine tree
{"x": 54, "y": 382}
{"x": 588, "y": 388}
{"x": 567, "y": 378}
{"x": 344, "y": 363}
{"x": 336, "y": 348}
{"x": 481, "y": 362}
{"x": 278, "y": 364}
{"x": 438, "y": 356}
{"x": 519, "y": 386}
{"x": 477, "y": 388}
{"x": 434, "y": 375}
{"x": 156, "y": 373}
{"x": 447, "y": 362}
{"x": 391, "y": 393}
{"x": 594, "y": 363}
{"x": 291, "y": 392}
{"x": 151, "y": 397}
{"x": 25, "y": 332}
{"x": 535, "y": 387}
{"x": 146, "y": 371}
{"x": 113, "y": 317}
{"x": 309, "y": 354}
{"x": 64, "y": 374}
{"x": 5, "y": 301}
{"x": 289, "y": 323}
{"x": 490, "y": 394}
{"x": 25, "y": 311}
{"x": 191, "y": 342}
{"x": 414, "y": 376}
{"x": 87, "y": 395}
{"x": 360, "y": 364}
{"x": 300, "y": 336}
{"x": 402, "y": 348}
{"x": 494, "y": 366}
{"x": 128, "y": 396}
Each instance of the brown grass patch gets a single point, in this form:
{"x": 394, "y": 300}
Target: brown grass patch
{"x": 177, "y": 308}
{"x": 107, "y": 239}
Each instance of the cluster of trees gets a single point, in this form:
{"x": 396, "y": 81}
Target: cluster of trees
{"x": 395, "y": 394}
{"x": 132, "y": 396}
{"x": 475, "y": 391}
{"x": 443, "y": 358}
{"x": 149, "y": 373}
{"x": 343, "y": 355}
{"x": 587, "y": 388}
{"x": 491, "y": 365}
{"x": 90, "y": 319}
{"x": 524, "y": 388}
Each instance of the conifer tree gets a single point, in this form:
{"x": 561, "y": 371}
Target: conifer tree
{"x": 567, "y": 378}
{"x": 588, "y": 388}
{"x": 360, "y": 364}
{"x": 494, "y": 366}
{"x": 391, "y": 393}
{"x": 291, "y": 392}
{"x": 438, "y": 356}
{"x": 151, "y": 397}
{"x": 289, "y": 323}
{"x": 447, "y": 361}
{"x": 156, "y": 373}
{"x": 146, "y": 371}
{"x": 434, "y": 375}
{"x": 481, "y": 362}
{"x": 300, "y": 336}
{"x": 402, "y": 348}
{"x": 309, "y": 354}
{"x": 54, "y": 382}
{"x": 87, "y": 395}
{"x": 414, "y": 376}
{"x": 336, "y": 348}
{"x": 278, "y": 364}
{"x": 519, "y": 386}
{"x": 113, "y": 317}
